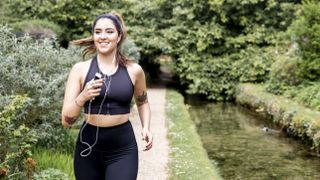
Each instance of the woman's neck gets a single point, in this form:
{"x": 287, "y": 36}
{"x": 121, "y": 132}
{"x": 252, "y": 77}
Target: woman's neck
{"x": 107, "y": 62}
{"x": 107, "y": 59}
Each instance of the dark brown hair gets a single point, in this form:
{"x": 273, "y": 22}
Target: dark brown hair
{"x": 89, "y": 43}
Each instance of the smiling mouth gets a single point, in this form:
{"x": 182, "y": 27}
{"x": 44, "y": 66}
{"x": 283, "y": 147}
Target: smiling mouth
{"x": 104, "y": 43}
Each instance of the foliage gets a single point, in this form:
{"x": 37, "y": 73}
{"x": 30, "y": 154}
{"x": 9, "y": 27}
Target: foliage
{"x": 74, "y": 17}
{"x": 207, "y": 39}
{"x": 51, "y": 173}
{"x": 188, "y": 159}
{"x": 211, "y": 41}
{"x": 283, "y": 73}
{"x": 307, "y": 94}
{"x": 131, "y": 50}
{"x": 39, "y": 70}
{"x": 16, "y": 139}
{"x": 296, "y": 71}
{"x": 296, "y": 119}
{"x": 37, "y": 28}
{"x": 58, "y": 161}
{"x": 305, "y": 30}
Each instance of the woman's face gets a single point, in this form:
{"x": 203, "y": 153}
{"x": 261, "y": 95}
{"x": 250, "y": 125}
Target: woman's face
{"x": 105, "y": 36}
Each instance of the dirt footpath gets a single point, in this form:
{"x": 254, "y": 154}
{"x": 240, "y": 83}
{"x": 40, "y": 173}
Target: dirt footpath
{"x": 153, "y": 163}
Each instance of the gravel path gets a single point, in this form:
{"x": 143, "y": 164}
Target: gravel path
{"x": 153, "y": 163}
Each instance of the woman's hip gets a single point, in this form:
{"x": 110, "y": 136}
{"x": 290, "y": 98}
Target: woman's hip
{"x": 115, "y": 138}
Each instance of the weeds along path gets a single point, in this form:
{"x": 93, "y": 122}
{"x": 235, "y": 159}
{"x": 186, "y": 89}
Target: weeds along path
{"x": 153, "y": 163}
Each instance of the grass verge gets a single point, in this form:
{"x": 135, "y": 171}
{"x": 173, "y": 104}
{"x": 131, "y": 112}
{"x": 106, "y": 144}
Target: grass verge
{"x": 54, "y": 159}
{"x": 188, "y": 158}
{"x": 50, "y": 160}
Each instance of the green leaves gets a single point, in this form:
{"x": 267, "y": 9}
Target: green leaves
{"x": 242, "y": 34}
{"x": 306, "y": 32}
{"x": 15, "y": 137}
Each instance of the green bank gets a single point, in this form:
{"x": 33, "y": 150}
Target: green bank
{"x": 188, "y": 159}
{"x": 294, "y": 118}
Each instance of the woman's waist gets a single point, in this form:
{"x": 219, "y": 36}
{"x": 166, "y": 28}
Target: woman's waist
{"x": 111, "y": 109}
{"x": 106, "y": 120}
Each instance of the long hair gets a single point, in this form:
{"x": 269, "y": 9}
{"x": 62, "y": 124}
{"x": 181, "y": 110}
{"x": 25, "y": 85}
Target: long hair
{"x": 88, "y": 42}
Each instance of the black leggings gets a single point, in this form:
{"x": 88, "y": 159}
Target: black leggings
{"x": 114, "y": 157}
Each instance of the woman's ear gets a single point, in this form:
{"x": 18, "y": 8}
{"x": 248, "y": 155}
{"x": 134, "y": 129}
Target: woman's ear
{"x": 119, "y": 38}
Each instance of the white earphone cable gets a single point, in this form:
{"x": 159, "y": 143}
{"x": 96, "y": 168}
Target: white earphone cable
{"x": 89, "y": 148}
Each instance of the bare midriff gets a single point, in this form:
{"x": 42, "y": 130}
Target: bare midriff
{"x": 106, "y": 120}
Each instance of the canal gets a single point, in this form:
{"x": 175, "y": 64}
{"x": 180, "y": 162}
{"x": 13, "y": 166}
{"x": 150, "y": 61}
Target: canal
{"x": 245, "y": 146}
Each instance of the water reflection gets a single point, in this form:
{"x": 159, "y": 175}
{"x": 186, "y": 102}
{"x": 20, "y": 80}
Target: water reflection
{"x": 236, "y": 140}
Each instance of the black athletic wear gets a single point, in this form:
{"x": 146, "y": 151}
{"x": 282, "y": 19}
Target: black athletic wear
{"x": 119, "y": 94}
{"x": 114, "y": 157}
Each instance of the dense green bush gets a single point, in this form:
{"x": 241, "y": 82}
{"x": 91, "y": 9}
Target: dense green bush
{"x": 283, "y": 74}
{"x": 16, "y": 139}
{"x": 39, "y": 70}
{"x": 295, "y": 72}
{"x": 131, "y": 50}
{"x": 74, "y": 17}
{"x": 305, "y": 30}
{"x": 37, "y": 28}
{"x": 307, "y": 94}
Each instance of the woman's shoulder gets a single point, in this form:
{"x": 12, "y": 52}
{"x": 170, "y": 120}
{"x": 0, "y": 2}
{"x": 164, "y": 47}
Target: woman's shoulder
{"x": 81, "y": 66}
{"x": 134, "y": 68}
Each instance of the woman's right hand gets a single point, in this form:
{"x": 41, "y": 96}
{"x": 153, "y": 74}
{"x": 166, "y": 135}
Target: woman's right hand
{"x": 91, "y": 90}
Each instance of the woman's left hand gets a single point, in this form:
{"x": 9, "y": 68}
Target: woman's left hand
{"x": 147, "y": 136}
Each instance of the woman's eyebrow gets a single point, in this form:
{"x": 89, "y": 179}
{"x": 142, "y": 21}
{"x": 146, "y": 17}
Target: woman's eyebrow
{"x": 104, "y": 29}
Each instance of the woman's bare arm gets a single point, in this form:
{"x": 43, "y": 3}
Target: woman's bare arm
{"x": 141, "y": 99}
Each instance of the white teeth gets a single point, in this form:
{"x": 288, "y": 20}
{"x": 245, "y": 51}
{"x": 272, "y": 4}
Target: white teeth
{"x": 104, "y": 43}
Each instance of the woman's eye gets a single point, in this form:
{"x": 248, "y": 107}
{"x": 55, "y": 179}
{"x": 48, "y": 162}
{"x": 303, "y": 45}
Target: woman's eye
{"x": 109, "y": 32}
{"x": 97, "y": 32}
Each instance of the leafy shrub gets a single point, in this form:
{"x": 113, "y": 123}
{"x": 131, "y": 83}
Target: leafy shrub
{"x": 305, "y": 30}
{"x": 37, "y": 28}
{"x": 285, "y": 70}
{"x": 39, "y": 70}
{"x": 217, "y": 77}
{"x": 252, "y": 64}
{"x": 74, "y": 17}
{"x": 131, "y": 50}
{"x": 283, "y": 74}
{"x": 307, "y": 94}
{"x": 16, "y": 139}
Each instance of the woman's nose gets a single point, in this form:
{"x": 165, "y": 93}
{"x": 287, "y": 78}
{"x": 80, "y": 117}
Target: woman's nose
{"x": 103, "y": 35}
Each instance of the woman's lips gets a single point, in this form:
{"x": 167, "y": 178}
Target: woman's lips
{"x": 104, "y": 43}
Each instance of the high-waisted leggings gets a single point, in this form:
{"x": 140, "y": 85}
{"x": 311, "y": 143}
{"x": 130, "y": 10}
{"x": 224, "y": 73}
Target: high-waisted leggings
{"x": 114, "y": 157}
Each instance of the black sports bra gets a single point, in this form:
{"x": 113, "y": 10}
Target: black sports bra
{"x": 118, "y": 96}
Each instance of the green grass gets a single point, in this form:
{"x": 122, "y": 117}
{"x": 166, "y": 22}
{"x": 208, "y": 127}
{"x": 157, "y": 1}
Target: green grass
{"x": 57, "y": 159}
{"x": 188, "y": 159}
{"x": 54, "y": 159}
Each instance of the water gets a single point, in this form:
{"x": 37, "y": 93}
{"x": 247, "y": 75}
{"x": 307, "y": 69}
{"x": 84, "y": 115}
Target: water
{"x": 235, "y": 140}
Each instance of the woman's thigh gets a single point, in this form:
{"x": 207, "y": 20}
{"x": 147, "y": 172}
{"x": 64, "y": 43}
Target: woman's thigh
{"x": 90, "y": 167}
{"x": 124, "y": 168}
